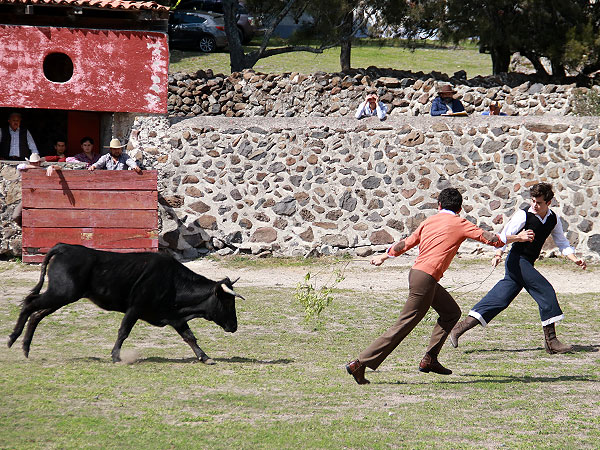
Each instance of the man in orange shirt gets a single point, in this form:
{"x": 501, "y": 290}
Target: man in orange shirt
{"x": 439, "y": 238}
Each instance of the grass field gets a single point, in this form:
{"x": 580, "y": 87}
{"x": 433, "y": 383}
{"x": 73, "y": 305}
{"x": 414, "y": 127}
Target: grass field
{"x": 281, "y": 384}
{"x": 426, "y": 59}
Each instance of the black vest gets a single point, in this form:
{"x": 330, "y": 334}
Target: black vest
{"x": 531, "y": 250}
{"x": 5, "y": 143}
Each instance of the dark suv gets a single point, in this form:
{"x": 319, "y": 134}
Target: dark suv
{"x": 200, "y": 31}
{"x": 245, "y": 24}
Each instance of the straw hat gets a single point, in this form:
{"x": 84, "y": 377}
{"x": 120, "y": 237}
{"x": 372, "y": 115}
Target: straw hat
{"x": 115, "y": 143}
{"x": 35, "y": 157}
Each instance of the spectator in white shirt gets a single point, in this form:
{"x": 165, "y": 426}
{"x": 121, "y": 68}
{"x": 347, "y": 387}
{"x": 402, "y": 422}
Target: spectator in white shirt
{"x": 16, "y": 142}
{"x": 371, "y": 107}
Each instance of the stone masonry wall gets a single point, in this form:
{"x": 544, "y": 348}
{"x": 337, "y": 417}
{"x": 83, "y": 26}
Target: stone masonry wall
{"x": 297, "y": 186}
{"x": 250, "y": 94}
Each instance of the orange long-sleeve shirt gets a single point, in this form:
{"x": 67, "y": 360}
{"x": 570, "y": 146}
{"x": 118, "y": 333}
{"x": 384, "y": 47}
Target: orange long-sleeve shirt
{"x": 439, "y": 238}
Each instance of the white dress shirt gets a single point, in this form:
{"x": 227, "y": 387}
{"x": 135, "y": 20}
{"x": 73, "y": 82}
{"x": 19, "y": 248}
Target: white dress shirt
{"x": 14, "y": 142}
{"x": 517, "y": 221}
{"x": 365, "y": 110}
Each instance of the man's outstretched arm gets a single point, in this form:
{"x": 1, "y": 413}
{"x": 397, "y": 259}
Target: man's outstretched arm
{"x": 396, "y": 248}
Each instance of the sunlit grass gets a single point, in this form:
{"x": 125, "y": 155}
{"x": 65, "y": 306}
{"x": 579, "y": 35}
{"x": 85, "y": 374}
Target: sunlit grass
{"x": 425, "y": 59}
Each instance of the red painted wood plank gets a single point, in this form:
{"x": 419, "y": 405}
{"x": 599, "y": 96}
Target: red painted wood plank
{"x": 43, "y": 198}
{"x": 106, "y": 238}
{"x": 72, "y": 218}
{"x": 86, "y": 180}
{"x": 38, "y": 257}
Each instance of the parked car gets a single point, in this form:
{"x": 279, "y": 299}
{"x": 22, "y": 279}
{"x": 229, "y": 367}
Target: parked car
{"x": 245, "y": 23}
{"x": 201, "y": 31}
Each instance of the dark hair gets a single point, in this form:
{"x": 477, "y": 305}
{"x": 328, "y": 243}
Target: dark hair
{"x": 450, "y": 199}
{"x": 57, "y": 140}
{"x": 86, "y": 139}
{"x": 542, "y": 190}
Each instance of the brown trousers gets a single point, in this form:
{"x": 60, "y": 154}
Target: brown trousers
{"x": 424, "y": 292}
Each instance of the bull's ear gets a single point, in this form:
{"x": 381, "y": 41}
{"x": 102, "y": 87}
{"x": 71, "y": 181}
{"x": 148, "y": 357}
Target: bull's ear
{"x": 230, "y": 291}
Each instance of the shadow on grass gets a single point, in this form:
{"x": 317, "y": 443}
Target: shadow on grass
{"x": 238, "y": 359}
{"x": 576, "y": 349}
{"x": 498, "y": 379}
{"x": 190, "y": 360}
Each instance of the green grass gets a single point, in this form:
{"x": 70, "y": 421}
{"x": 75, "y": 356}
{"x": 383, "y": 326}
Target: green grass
{"x": 387, "y": 54}
{"x": 279, "y": 384}
{"x": 252, "y": 262}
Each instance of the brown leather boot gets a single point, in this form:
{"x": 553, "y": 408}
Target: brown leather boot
{"x": 460, "y": 328}
{"x": 552, "y": 344}
{"x": 431, "y": 364}
{"x": 357, "y": 370}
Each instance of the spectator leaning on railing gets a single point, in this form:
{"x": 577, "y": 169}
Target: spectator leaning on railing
{"x": 371, "y": 107}
{"x": 31, "y": 163}
{"x": 445, "y": 103}
{"x": 116, "y": 159}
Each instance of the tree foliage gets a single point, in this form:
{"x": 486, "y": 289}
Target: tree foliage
{"x": 564, "y": 32}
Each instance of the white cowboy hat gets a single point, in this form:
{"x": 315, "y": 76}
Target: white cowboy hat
{"x": 35, "y": 157}
{"x": 115, "y": 143}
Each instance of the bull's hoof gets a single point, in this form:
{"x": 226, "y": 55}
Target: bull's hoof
{"x": 208, "y": 361}
{"x": 116, "y": 359}
{"x": 26, "y": 352}
{"x": 11, "y": 340}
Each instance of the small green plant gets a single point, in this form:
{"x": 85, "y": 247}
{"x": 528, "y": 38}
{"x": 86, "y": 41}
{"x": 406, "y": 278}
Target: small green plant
{"x": 586, "y": 102}
{"x": 314, "y": 298}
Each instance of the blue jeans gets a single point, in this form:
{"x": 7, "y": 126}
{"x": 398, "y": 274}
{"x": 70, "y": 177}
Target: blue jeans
{"x": 519, "y": 274}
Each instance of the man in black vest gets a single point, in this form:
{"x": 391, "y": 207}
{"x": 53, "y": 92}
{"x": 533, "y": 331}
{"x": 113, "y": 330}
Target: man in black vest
{"x": 16, "y": 142}
{"x": 520, "y": 272}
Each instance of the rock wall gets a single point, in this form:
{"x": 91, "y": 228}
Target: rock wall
{"x": 297, "y": 186}
{"x": 250, "y": 94}
{"x": 320, "y": 185}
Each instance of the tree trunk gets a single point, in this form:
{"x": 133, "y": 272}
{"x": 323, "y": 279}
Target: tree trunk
{"x": 346, "y": 41}
{"x": 540, "y": 70}
{"x": 559, "y": 74}
{"x": 237, "y": 57}
{"x": 500, "y": 59}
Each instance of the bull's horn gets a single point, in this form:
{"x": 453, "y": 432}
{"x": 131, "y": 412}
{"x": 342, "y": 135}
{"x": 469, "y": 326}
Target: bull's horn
{"x": 235, "y": 281}
{"x": 231, "y": 291}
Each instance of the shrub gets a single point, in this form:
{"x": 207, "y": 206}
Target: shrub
{"x": 586, "y": 102}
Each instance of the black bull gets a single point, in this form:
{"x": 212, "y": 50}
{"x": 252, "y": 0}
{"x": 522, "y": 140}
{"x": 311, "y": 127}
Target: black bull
{"x": 144, "y": 286}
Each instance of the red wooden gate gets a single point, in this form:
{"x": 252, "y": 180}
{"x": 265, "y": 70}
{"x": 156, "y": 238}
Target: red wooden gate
{"x": 104, "y": 209}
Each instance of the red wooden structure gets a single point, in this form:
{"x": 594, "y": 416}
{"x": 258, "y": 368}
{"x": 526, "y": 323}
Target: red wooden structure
{"x": 107, "y": 210}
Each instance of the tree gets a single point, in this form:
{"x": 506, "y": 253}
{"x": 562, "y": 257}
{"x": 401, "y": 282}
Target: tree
{"x": 565, "y": 32}
{"x": 240, "y": 60}
{"x": 333, "y": 23}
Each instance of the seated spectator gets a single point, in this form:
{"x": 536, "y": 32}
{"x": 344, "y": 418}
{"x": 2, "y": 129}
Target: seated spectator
{"x": 60, "y": 147}
{"x": 116, "y": 159}
{"x": 370, "y": 107}
{"x": 87, "y": 155}
{"x": 16, "y": 141}
{"x": 494, "y": 110}
{"x": 31, "y": 163}
{"x": 445, "y": 103}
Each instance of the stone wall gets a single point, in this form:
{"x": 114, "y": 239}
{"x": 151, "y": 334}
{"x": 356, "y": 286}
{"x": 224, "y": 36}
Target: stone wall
{"x": 312, "y": 185}
{"x": 299, "y": 185}
{"x": 250, "y": 94}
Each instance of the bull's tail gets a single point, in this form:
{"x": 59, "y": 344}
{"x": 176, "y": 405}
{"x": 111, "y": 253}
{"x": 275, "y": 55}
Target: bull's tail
{"x": 38, "y": 287}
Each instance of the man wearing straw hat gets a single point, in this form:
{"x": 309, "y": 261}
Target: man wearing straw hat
{"x": 445, "y": 103}
{"x": 33, "y": 162}
{"x": 116, "y": 159}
